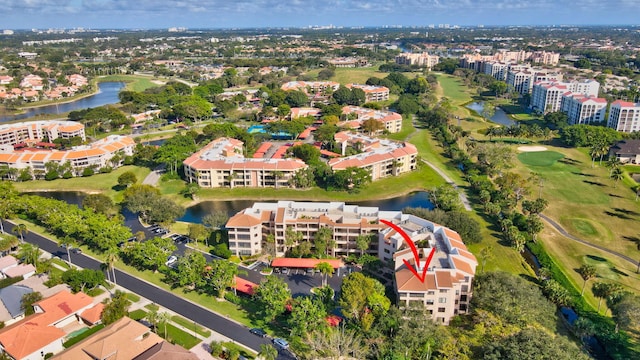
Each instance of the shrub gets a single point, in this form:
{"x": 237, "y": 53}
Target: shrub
{"x": 232, "y": 298}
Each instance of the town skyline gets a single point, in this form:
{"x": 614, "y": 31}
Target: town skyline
{"x": 119, "y": 14}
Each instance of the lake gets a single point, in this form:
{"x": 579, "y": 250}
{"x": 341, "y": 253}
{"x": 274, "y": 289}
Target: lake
{"x": 196, "y": 212}
{"x": 500, "y": 117}
{"x": 107, "y": 94}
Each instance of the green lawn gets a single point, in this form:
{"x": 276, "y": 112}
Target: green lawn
{"x": 180, "y": 337}
{"x": 540, "y": 158}
{"x": 357, "y": 75}
{"x": 422, "y": 179}
{"x": 134, "y": 82}
{"x": 242, "y": 350}
{"x": 188, "y": 324}
{"x": 103, "y": 183}
{"x": 407, "y": 129}
{"x": 133, "y": 297}
{"x": 589, "y": 205}
{"x": 137, "y": 314}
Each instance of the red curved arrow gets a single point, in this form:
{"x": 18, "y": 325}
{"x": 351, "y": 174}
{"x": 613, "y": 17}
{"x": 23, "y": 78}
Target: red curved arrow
{"x": 421, "y": 276}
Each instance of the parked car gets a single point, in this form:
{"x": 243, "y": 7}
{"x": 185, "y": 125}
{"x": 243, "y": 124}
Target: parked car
{"x": 171, "y": 260}
{"x": 77, "y": 251}
{"x": 175, "y": 237}
{"x": 285, "y": 270}
{"x": 281, "y": 343}
{"x": 258, "y": 332}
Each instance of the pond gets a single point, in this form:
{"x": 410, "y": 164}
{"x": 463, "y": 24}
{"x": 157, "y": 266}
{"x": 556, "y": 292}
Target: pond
{"x": 197, "y": 212}
{"x": 107, "y": 94}
{"x": 500, "y": 117}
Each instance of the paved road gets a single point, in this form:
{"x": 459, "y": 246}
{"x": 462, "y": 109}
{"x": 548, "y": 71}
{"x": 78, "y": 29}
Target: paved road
{"x": 163, "y": 298}
{"x": 154, "y": 176}
{"x": 562, "y": 231}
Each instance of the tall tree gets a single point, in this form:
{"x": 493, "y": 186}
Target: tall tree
{"x": 220, "y": 275}
{"x": 587, "y": 272}
{"x": 272, "y": 296}
{"x": 326, "y": 270}
{"x": 115, "y": 307}
{"x": 21, "y": 230}
{"x": 268, "y": 352}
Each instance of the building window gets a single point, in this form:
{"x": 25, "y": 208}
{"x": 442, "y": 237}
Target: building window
{"x": 463, "y": 298}
{"x": 442, "y": 300}
{"x": 441, "y": 310}
{"x": 443, "y": 291}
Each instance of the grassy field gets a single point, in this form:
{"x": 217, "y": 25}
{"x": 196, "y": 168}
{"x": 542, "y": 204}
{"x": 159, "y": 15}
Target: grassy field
{"x": 103, "y": 183}
{"x": 589, "y": 205}
{"x": 357, "y": 75}
{"x": 134, "y": 82}
{"x": 422, "y": 179}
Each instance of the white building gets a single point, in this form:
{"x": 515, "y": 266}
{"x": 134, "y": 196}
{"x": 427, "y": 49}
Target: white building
{"x": 582, "y": 109}
{"x": 547, "y": 96}
{"x": 447, "y": 288}
{"x": 624, "y": 116}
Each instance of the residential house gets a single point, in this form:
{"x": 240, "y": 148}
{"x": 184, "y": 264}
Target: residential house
{"x": 627, "y": 151}
{"x": 44, "y": 331}
{"x": 124, "y": 339}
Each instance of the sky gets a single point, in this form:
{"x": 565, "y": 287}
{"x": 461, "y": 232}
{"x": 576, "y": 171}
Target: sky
{"x": 159, "y": 14}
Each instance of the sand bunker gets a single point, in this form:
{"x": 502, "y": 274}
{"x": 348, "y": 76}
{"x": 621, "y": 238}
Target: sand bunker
{"x": 531, "y": 148}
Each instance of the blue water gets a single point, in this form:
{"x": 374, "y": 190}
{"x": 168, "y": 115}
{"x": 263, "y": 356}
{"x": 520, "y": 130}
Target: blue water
{"x": 277, "y": 136}
{"x": 197, "y": 212}
{"x": 107, "y": 94}
{"x": 500, "y": 117}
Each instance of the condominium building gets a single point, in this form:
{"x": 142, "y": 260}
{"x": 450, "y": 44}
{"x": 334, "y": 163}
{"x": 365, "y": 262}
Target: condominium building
{"x": 547, "y": 96}
{"x": 418, "y": 59}
{"x": 497, "y": 69}
{"x": 381, "y": 157}
{"x": 311, "y": 86}
{"x": 221, "y": 163}
{"x": 447, "y": 288}
{"x": 37, "y": 131}
{"x": 624, "y": 116}
{"x": 109, "y": 151}
{"x": 582, "y": 109}
{"x": 372, "y": 92}
{"x": 520, "y": 80}
{"x": 392, "y": 121}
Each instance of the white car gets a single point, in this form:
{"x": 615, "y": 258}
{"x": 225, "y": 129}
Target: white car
{"x": 171, "y": 260}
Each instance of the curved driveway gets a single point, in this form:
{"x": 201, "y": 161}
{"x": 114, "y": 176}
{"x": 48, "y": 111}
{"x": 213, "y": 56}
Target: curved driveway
{"x": 185, "y": 308}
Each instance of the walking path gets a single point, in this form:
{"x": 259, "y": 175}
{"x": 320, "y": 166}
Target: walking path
{"x": 461, "y": 194}
{"x": 562, "y": 231}
{"x": 154, "y": 176}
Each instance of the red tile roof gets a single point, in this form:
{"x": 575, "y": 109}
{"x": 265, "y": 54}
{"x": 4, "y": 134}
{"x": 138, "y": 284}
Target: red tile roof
{"x": 245, "y": 286}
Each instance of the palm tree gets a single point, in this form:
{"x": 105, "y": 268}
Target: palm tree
{"x": 613, "y": 163}
{"x": 268, "y": 352}
{"x": 152, "y": 317}
{"x": 230, "y": 179}
{"x": 586, "y": 272}
{"x": 29, "y": 253}
{"x": 68, "y": 242}
{"x": 326, "y": 270}
{"x": 601, "y": 291}
{"x": 21, "y": 230}
{"x": 163, "y": 318}
{"x": 617, "y": 174}
{"x": 110, "y": 259}
{"x": 486, "y": 254}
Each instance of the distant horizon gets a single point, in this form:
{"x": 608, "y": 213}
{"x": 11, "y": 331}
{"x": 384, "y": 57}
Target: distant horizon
{"x": 257, "y": 14}
{"x": 327, "y": 27}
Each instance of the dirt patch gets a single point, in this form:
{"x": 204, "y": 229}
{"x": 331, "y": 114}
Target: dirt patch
{"x": 531, "y": 148}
